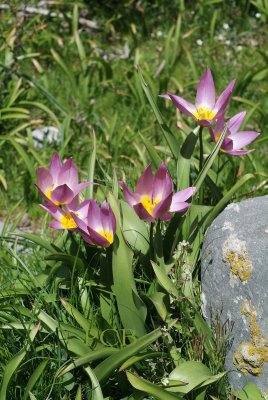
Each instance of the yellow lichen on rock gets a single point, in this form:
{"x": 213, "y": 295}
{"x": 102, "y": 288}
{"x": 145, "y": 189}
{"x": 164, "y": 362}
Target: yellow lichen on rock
{"x": 250, "y": 356}
{"x": 237, "y": 256}
{"x": 240, "y": 266}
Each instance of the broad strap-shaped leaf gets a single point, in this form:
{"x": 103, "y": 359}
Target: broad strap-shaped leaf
{"x": 87, "y": 358}
{"x": 131, "y": 308}
{"x": 203, "y": 173}
{"x": 195, "y": 374}
{"x": 96, "y": 392}
{"x": 108, "y": 366}
{"x": 249, "y": 392}
{"x": 134, "y": 229}
{"x": 185, "y": 159}
{"x": 150, "y": 388}
{"x": 149, "y": 355}
{"x": 164, "y": 280}
{"x": 34, "y": 378}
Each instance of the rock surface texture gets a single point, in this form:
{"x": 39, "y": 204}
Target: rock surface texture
{"x": 235, "y": 288}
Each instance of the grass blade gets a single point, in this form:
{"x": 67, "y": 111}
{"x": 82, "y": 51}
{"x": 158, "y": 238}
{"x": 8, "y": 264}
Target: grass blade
{"x": 171, "y": 140}
{"x": 14, "y": 363}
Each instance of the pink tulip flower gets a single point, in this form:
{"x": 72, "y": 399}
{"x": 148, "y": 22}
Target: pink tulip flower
{"x": 206, "y": 108}
{"x": 153, "y": 197}
{"x": 63, "y": 218}
{"x": 234, "y": 139}
{"x": 98, "y": 228}
{"x": 59, "y": 183}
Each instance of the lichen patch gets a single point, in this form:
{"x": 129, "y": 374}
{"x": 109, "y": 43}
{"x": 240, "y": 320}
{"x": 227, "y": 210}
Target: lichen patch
{"x": 236, "y": 255}
{"x": 250, "y": 356}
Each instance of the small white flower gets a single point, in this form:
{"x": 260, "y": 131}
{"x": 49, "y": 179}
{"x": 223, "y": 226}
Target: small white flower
{"x": 228, "y": 42}
{"x": 226, "y": 26}
{"x": 159, "y": 33}
{"x": 165, "y": 381}
{"x": 199, "y": 42}
{"x": 258, "y": 15}
{"x": 239, "y": 48}
{"x": 221, "y": 37}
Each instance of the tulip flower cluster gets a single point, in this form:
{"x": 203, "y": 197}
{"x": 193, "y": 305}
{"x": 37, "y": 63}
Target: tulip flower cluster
{"x": 153, "y": 199}
{"x": 207, "y": 110}
{"x": 60, "y": 188}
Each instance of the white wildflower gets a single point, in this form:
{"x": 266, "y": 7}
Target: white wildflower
{"x": 165, "y": 381}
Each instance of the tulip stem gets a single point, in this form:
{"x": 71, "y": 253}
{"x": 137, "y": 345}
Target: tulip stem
{"x": 201, "y": 149}
{"x": 152, "y": 241}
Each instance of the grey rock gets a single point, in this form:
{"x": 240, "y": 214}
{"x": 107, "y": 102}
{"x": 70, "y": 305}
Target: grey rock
{"x": 234, "y": 275}
{"x": 48, "y": 134}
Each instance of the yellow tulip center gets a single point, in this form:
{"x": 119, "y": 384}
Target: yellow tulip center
{"x": 217, "y": 137}
{"x": 107, "y": 235}
{"x": 68, "y": 222}
{"x": 149, "y": 204}
{"x": 48, "y": 194}
{"x": 204, "y": 113}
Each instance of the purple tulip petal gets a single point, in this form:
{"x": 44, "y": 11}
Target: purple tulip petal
{"x": 62, "y": 195}
{"x": 166, "y": 217}
{"x": 45, "y": 197}
{"x": 53, "y": 210}
{"x": 236, "y": 121}
{"x": 144, "y": 185}
{"x": 44, "y": 179}
{"x": 98, "y": 239}
{"x": 86, "y": 237}
{"x": 223, "y": 99}
{"x": 239, "y": 152}
{"x": 56, "y": 225}
{"x": 183, "y": 195}
{"x": 55, "y": 165}
{"x": 77, "y": 189}
{"x": 179, "y": 206}
{"x": 183, "y": 105}
{"x": 129, "y": 196}
{"x": 94, "y": 216}
{"x": 82, "y": 210}
{"x": 242, "y": 139}
{"x": 163, "y": 207}
{"x": 81, "y": 224}
{"x": 68, "y": 174}
{"x": 142, "y": 213}
{"x": 205, "y": 95}
{"x": 162, "y": 184}
{"x": 218, "y": 128}
{"x": 206, "y": 122}
{"x": 107, "y": 218}
{"x": 72, "y": 206}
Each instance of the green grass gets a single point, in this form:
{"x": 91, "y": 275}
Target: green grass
{"x": 56, "y": 72}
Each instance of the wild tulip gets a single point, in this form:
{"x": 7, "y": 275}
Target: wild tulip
{"x": 63, "y": 218}
{"x": 234, "y": 139}
{"x": 98, "y": 228}
{"x": 59, "y": 183}
{"x": 206, "y": 108}
{"x": 153, "y": 197}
